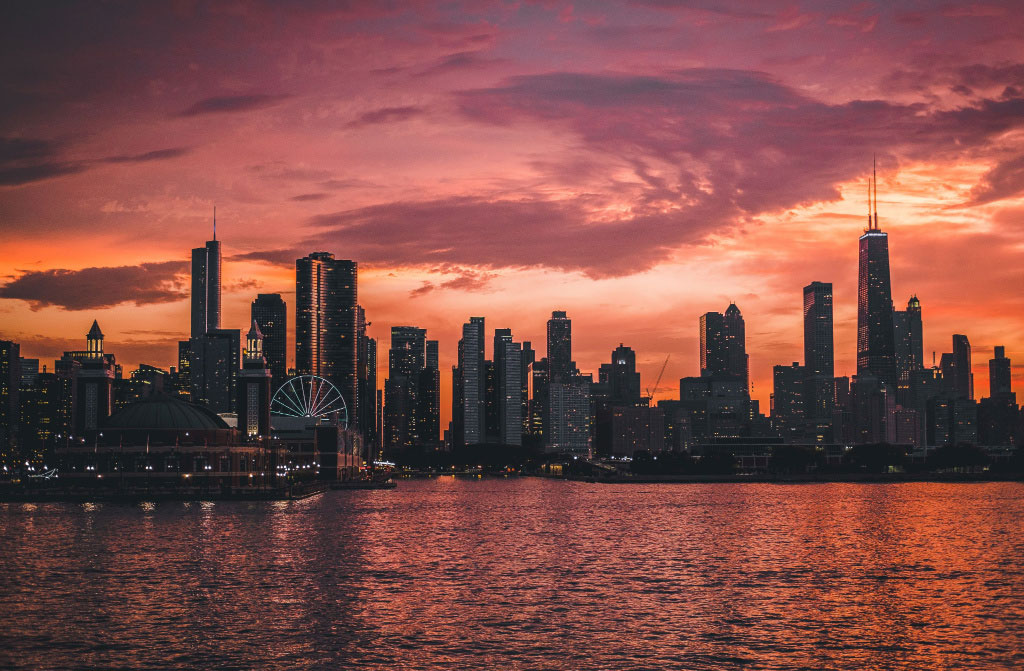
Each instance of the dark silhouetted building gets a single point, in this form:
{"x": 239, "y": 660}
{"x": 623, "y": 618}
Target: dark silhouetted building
{"x": 406, "y": 361}
{"x": 366, "y": 360}
{"x": 876, "y": 347}
{"x": 206, "y": 287}
{"x": 956, "y": 369}
{"x": 621, "y": 377}
{"x": 788, "y": 407}
{"x": 213, "y": 369}
{"x": 818, "y": 397}
{"x": 908, "y": 332}
{"x": 326, "y": 299}
{"x": 999, "y": 377}
{"x": 270, "y": 313}
{"x": 470, "y": 386}
{"x": 560, "y": 363}
{"x": 10, "y": 404}
{"x": 723, "y": 348}
{"x": 508, "y": 384}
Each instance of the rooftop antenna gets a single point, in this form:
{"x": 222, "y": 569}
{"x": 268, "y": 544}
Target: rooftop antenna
{"x": 874, "y": 178}
{"x": 215, "y": 222}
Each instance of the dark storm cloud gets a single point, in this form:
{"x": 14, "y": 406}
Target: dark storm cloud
{"x": 1003, "y": 181}
{"x": 519, "y": 233}
{"x": 226, "y": 104}
{"x": 273, "y": 257}
{"x": 26, "y": 160}
{"x": 158, "y": 155}
{"x": 738, "y": 138}
{"x": 386, "y": 115}
{"x": 92, "y": 288}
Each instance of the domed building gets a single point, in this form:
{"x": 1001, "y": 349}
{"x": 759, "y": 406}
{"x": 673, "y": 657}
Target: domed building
{"x": 163, "y": 445}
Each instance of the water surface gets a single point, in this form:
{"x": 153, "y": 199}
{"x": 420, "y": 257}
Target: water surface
{"x": 524, "y": 574}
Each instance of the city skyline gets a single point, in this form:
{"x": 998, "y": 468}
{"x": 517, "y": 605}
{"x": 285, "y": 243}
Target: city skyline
{"x": 469, "y": 167}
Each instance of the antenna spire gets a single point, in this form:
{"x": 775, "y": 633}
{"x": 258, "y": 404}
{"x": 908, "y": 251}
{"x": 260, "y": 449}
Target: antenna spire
{"x": 214, "y": 222}
{"x": 874, "y": 178}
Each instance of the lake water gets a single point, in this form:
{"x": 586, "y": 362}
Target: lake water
{"x": 524, "y": 574}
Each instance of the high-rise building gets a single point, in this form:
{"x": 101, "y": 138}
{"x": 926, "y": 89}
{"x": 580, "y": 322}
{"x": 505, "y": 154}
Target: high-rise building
{"x": 326, "y": 297}
{"x": 568, "y": 428}
{"x": 472, "y": 382}
{"x": 819, "y": 354}
{"x": 788, "y": 402}
{"x": 428, "y": 398}
{"x": 508, "y": 370}
{"x": 908, "y": 332}
{"x": 406, "y": 361}
{"x": 957, "y": 377}
{"x": 999, "y": 379}
{"x": 876, "y": 348}
{"x": 723, "y": 349}
{"x": 270, "y": 313}
{"x": 526, "y": 376}
{"x": 206, "y": 286}
{"x": 818, "y": 397}
{"x": 366, "y": 363}
{"x": 621, "y": 377}
{"x": 183, "y": 381}
{"x": 560, "y": 363}
{"x": 737, "y": 361}
{"x": 213, "y": 369}
{"x": 254, "y": 387}
{"x": 10, "y": 406}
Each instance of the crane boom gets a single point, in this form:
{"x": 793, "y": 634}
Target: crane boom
{"x": 658, "y": 381}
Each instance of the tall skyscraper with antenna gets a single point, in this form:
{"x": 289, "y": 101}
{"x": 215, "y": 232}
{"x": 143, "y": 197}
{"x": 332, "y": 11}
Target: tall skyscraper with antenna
{"x": 206, "y": 285}
{"x": 876, "y": 346}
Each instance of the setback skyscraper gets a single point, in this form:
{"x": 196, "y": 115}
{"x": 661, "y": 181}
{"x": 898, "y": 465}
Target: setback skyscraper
{"x": 206, "y": 286}
{"x": 560, "y": 363}
{"x": 326, "y": 296}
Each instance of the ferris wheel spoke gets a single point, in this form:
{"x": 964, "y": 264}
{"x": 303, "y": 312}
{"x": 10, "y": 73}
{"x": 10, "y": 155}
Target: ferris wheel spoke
{"x": 292, "y": 405}
{"x": 314, "y": 405}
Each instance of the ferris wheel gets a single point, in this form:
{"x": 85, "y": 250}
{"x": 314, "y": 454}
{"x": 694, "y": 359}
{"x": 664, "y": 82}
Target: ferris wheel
{"x": 309, "y": 396}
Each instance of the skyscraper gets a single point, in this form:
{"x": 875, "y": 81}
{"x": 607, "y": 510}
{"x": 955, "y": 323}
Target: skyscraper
{"x": 508, "y": 359}
{"x": 366, "y": 363}
{"x": 819, "y": 355}
{"x": 736, "y": 358}
{"x": 472, "y": 382}
{"x": 271, "y": 315}
{"x": 621, "y": 377}
{"x": 908, "y": 333}
{"x": 999, "y": 379}
{"x": 206, "y": 286}
{"x": 213, "y": 369}
{"x": 406, "y": 360}
{"x": 560, "y": 361}
{"x": 428, "y": 398}
{"x": 10, "y": 385}
{"x": 960, "y": 382}
{"x": 723, "y": 348}
{"x": 876, "y": 348}
{"x": 326, "y": 296}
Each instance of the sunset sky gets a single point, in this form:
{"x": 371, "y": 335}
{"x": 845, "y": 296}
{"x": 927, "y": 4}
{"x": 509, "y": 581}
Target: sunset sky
{"x": 635, "y": 164}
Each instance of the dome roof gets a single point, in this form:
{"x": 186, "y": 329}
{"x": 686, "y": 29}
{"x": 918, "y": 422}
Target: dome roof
{"x": 167, "y": 413}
